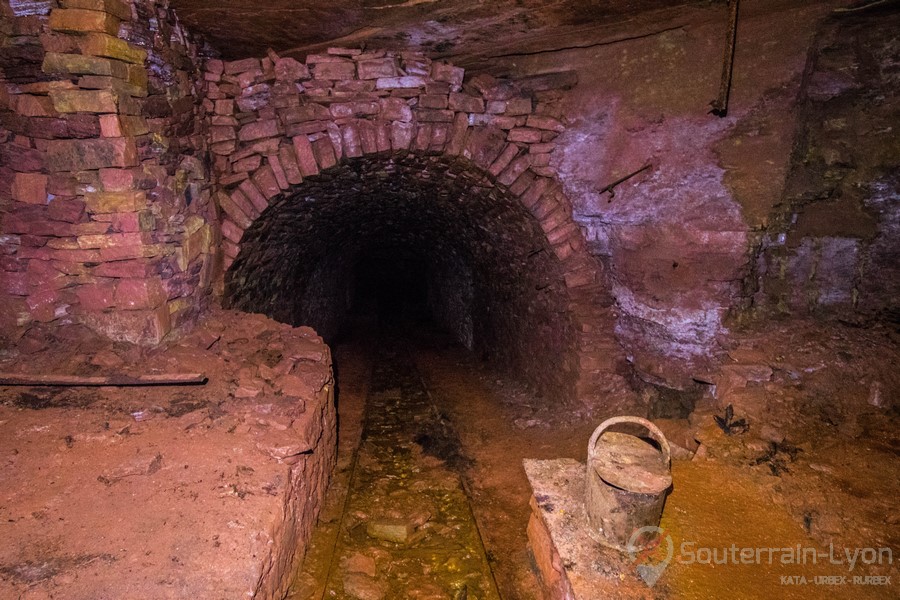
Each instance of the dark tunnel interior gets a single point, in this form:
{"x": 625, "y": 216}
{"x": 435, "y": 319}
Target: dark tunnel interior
{"x": 413, "y": 238}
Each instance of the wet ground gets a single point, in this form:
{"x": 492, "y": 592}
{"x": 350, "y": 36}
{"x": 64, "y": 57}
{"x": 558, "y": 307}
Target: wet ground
{"x": 405, "y": 527}
{"x": 829, "y": 482}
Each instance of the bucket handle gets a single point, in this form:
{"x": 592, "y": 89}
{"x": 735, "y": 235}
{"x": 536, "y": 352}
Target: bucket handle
{"x": 655, "y": 433}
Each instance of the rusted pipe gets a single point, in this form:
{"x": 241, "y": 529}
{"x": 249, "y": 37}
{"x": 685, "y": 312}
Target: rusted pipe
{"x": 612, "y": 186}
{"x": 17, "y": 379}
{"x": 720, "y": 104}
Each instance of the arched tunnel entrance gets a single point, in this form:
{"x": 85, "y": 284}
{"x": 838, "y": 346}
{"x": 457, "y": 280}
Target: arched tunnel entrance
{"x": 411, "y": 237}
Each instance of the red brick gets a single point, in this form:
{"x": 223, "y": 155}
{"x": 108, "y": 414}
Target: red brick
{"x": 434, "y": 116}
{"x": 433, "y": 101}
{"x": 231, "y": 231}
{"x": 255, "y": 196}
{"x": 395, "y": 109}
{"x": 117, "y": 180}
{"x": 265, "y": 181}
{"x": 350, "y": 141}
{"x": 402, "y": 135}
{"x": 138, "y": 294}
{"x": 258, "y": 130}
{"x": 239, "y": 66}
{"x": 423, "y": 137}
{"x": 30, "y": 188}
{"x": 119, "y": 8}
{"x": 86, "y": 155}
{"x": 42, "y": 305}
{"x": 96, "y": 296}
{"x": 107, "y": 46}
{"x": 289, "y": 69}
{"x": 278, "y": 170}
{"x": 533, "y": 194}
{"x": 525, "y": 135}
{"x": 111, "y": 240}
{"x": 113, "y": 202}
{"x": 521, "y": 184}
{"x": 27, "y": 105}
{"x": 306, "y": 157}
{"x": 77, "y": 20}
{"x": 383, "y": 136}
{"x": 484, "y": 145}
{"x": 289, "y": 163}
{"x": 14, "y": 284}
{"x": 450, "y": 74}
{"x": 544, "y": 122}
{"x": 146, "y": 327}
{"x": 124, "y": 269}
{"x": 324, "y": 152}
{"x": 130, "y": 252}
{"x": 334, "y": 70}
{"x": 376, "y": 68}
{"x": 41, "y": 274}
{"x": 224, "y": 107}
{"x": 233, "y": 208}
{"x": 466, "y": 103}
{"x": 346, "y": 110}
{"x": 440, "y": 132}
{"x": 516, "y": 168}
{"x": 221, "y": 134}
{"x": 367, "y": 137}
{"x": 66, "y": 209}
{"x": 247, "y": 165}
{"x": 458, "y": 134}
{"x": 304, "y": 112}
{"x": 518, "y": 106}
{"x": 230, "y": 249}
{"x": 127, "y": 222}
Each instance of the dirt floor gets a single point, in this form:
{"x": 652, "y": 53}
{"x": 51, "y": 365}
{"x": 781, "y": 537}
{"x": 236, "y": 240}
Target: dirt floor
{"x": 429, "y": 498}
{"x": 817, "y": 466}
{"x": 165, "y": 491}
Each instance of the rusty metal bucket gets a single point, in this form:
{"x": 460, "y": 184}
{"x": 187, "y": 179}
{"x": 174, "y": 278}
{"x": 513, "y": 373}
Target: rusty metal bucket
{"x": 627, "y": 482}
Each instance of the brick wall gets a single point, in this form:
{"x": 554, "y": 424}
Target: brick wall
{"x": 281, "y": 129}
{"x": 106, "y": 212}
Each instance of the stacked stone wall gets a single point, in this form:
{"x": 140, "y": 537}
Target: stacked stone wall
{"x": 106, "y": 212}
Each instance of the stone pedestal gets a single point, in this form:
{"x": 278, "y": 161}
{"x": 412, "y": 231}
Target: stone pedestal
{"x": 571, "y": 565}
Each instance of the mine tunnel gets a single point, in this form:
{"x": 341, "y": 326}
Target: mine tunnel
{"x": 520, "y": 300}
{"x": 412, "y": 239}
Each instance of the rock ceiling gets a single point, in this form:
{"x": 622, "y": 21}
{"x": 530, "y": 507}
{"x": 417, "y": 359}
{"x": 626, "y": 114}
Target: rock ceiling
{"x": 467, "y": 31}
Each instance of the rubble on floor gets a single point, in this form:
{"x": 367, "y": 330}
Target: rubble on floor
{"x": 171, "y": 491}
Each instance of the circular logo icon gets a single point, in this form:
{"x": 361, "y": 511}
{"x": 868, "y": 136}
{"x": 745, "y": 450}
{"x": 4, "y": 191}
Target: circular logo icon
{"x": 641, "y": 549}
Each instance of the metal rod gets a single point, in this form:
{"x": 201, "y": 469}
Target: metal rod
{"x": 720, "y": 104}
{"x": 611, "y": 187}
{"x": 16, "y": 379}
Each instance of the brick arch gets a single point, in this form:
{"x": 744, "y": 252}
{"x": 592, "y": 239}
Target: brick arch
{"x": 277, "y": 121}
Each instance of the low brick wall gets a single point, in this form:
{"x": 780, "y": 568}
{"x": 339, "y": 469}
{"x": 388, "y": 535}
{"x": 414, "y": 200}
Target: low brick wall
{"x": 187, "y": 492}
